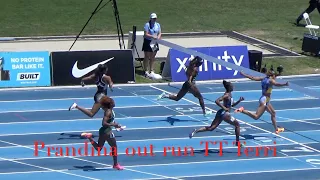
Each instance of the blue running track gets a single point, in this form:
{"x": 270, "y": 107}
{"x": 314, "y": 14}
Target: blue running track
{"x": 160, "y": 127}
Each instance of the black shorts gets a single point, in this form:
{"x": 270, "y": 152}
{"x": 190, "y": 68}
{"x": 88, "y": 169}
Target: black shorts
{"x": 220, "y": 113}
{"x": 146, "y": 46}
{"x": 187, "y": 85}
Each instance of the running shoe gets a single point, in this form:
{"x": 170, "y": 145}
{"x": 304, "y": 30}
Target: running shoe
{"x": 161, "y": 96}
{"x": 279, "y": 130}
{"x": 118, "y": 167}
{"x": 121, "y": 128}
{"x": 86, "y": 135}
{"x": 208, "y": 113}
{"x": 73, "y": 106}
{"x": 239, "y": 110}
{"x": 192, "y": 134}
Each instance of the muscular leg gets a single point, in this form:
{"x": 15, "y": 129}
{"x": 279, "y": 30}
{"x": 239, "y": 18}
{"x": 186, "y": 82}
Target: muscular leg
{"x": 196, "y": 93}
{"x": 92, "y": 112}
{"x": 98, "y": 146}
{"x": 113, "y": 144}
{"x": 183, "y": 91}
{"x": 261, "y": 109}
{"x": 272, "y": 112}
{"x": 235, "y": 123}
{"x": 215, "y": 123}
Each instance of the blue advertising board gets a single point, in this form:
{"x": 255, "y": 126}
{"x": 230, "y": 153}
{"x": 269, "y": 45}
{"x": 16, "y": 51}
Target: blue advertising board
{"x": 24, "y": 69}
{"x": 210, "y": 71}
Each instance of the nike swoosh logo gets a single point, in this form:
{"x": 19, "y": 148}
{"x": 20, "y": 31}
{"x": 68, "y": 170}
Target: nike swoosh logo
{"x": 76, "y": 72}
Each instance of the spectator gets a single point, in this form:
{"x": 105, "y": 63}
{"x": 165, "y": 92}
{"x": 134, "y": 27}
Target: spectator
{"x": 152, "y": 31}
{"x": 313, "y": 4}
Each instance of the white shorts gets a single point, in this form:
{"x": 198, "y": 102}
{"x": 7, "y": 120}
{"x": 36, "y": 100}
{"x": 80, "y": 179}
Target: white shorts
{"x": 264, "y": 100}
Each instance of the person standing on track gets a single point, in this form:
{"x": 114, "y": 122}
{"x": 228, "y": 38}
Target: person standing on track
{"x": 105, "y": 132}
{"x": 189, "y": 85}
{"x": 224, "y": 113}
{"x": 267, "y": 84}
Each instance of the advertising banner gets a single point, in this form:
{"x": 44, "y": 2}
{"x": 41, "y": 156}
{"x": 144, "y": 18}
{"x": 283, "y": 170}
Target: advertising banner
{"x": 24, "y": 69}
{"x": 210, "y": 71}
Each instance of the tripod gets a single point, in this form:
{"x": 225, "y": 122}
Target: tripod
{"x": 134, "y": 47}
{"x": 117, "y": 17}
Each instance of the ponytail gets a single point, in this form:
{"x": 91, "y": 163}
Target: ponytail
{"x": 226, "y": 85}
{"x": 100, "y": 70}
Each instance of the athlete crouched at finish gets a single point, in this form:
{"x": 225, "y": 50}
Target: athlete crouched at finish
{"x": 105, "y": 132}
{"x": 224, "y": 113}
{"x": 190, "y": 85}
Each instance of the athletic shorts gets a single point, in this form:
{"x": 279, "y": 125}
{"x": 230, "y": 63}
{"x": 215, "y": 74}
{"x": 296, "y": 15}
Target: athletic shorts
{"x": 106, "y": 130}
{"x": 264, "y": 100}
{"x": 98, "y": 96}
{"x": 187, "y": 85}
{"x": 221, "y": 113}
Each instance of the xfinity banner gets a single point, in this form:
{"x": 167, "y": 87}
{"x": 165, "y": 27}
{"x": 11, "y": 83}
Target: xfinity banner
{"x": 210, "y": 71}
{"x": 24, "y": 69}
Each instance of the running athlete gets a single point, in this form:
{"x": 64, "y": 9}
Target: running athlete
{"x": 267, "y": 84}
{"x": 189, "y": 86}
{"x": 105, "y": 132}
{"x": 224, "y": 113}
{"x": 102, "y": 81}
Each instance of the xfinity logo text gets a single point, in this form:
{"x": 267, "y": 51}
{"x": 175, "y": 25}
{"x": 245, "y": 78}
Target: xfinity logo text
{"x": 237, "y": 55}
{"x": 215, "y": 67}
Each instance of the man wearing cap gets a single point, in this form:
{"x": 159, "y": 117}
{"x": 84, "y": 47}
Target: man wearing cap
{"x": 152, "y": 31}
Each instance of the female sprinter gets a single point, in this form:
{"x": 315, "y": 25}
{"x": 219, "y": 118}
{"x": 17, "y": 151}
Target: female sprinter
{"x": 267, "y": 83}
{"x": 105, "y": 132}
{"x": 189, "y": 85}
{"x": 102, "y": 81}
{"x": 224, "y": 113}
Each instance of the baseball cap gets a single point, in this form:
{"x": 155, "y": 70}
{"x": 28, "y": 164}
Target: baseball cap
{"x": 153, "y": 15}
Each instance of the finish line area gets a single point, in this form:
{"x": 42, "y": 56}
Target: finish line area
{"x": 41, "y": 115}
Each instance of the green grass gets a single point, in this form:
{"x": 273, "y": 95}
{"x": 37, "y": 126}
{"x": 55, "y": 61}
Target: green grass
{"x": 269, "y": 20}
